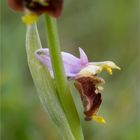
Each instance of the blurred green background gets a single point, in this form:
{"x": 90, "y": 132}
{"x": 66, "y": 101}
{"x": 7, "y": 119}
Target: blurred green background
{"x": 106, "y": 30}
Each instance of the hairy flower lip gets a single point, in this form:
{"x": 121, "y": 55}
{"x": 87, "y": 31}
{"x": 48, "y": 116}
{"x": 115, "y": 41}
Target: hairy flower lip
{"x": 53, "y": 8}
{"x": 95, "y": 107}
{"x": 94, "y": 78}
{"x": 90, "y": 96}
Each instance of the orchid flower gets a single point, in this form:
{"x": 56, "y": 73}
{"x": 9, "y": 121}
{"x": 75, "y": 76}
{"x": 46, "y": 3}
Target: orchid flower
{"x": 84, "y": 73}
{"x": 34, "y": 8}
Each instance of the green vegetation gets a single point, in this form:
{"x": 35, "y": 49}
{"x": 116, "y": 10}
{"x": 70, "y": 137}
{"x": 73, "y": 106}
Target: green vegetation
{"x": 106, "y": 30}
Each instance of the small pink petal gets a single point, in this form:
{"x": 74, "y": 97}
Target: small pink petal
{"x": 83, "y": 57}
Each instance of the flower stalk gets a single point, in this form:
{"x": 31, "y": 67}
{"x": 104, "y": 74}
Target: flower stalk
{"x": 55, "y": 53}
{"x": 60, "y": 78}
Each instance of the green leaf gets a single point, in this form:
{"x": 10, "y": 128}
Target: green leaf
{"x": 44, "y": 84}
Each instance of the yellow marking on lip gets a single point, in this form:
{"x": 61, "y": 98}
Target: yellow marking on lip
{"x": 98, "y": 119}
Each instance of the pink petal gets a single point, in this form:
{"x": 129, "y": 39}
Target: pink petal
{"x": 83, "y": 57}
{"x": 72, "y": 64}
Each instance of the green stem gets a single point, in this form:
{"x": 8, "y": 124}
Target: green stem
{"x": 54, "y": 48}
{"x": 60, "y": 78}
